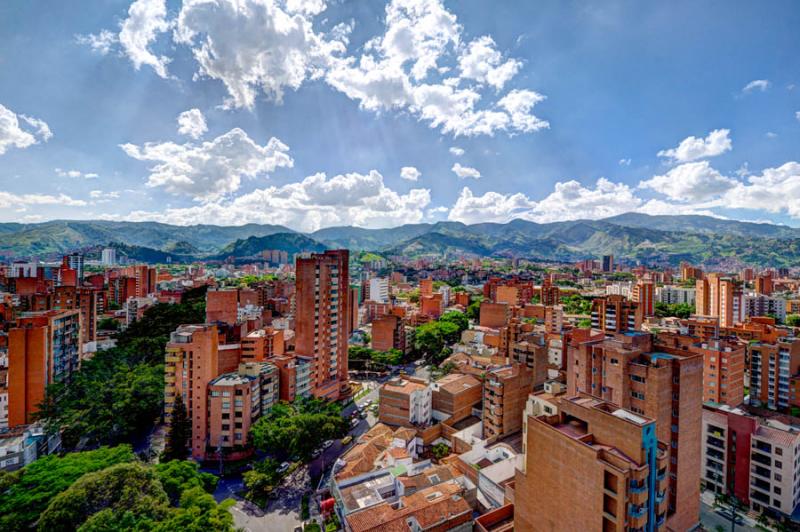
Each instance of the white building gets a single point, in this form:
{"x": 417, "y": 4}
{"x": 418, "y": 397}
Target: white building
{"x": 620, "y": 289}
{"x": 109, "y": 257}
{"x": 379, "y": 289}
{"x": 761, "y": 305}
{"x": 774, "y": 457}
{"x": 674, "y": 295}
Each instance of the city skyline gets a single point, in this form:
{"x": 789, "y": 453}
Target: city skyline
{"x": 420, "y": 112}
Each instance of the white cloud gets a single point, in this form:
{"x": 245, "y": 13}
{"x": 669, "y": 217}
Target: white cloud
{"x": 519, "y": 103}
{"x": 211, "y": 169}
{"x": 16, "y": 135}
{"x": 350, "y": 199}
{"x": 569, "y": 201}
{"x": 482, "y": 62}
{"x": 490, "y": 207}
{"x": 625, "y": 162}
{"x": 465, "y": 171}
{"x": 757, "y": 84}
{"x": 192, "y": 123}
{"x": 100, "y": 43}
{"x": 253, "y": 45}
{"x": 797, "y": 115}
{"x": 75, "y": 174}
{"x": 410, "y": 173}
{"x": 146, "y": 20}
{"x": 774, "y": 190}
{"x": 695, "y": 181}
{"x": 771, "y": 135}
{"x": 692, "y": 148}
{"x": 420, "y": 38}
{"x": 10, "y": 200}
{"x": 456, "y": 151}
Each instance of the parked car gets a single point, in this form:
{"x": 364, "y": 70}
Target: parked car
{"x": 346, "y": 440}
{"x": 327, "y": 444}
{"x": 354, "y": 423}
{"x": 284, "y": 467}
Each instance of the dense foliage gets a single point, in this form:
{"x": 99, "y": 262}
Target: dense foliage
{"x": 118, "y": 394}
{"x": 391, "y": 357}
{"x": 676, "y": 310}
{"x": 31, "y": 489}
{"x": 432, "y": 339}
{"x": 576, "y": 304}
{"x": 108, "y": 489}
{"x": 299, "y": 428}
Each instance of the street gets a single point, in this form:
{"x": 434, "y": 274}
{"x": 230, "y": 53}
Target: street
{"x": 283, "y": 510}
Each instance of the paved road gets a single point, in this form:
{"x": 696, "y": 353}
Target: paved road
{"x": 711, "y": 520}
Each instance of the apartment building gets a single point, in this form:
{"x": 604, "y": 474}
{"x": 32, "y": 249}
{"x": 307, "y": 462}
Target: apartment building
{"x": 720, "y": 297}
{"x": 236, "y": 400}
{"x": 322, "y": 321}
{"x": 762, "y": 305}
{"x": 494, "y": 315}
{"x": 644, "y": 293}
{"x": 263, "y": 344}
{"x": 756, "y": 459}
{"x": 616, "y": 477}
{"x": 665, "y": 385}
{"x": 615, "y": 314}
{"x": 193, "y": 358}
{"x": 723, "y": 371}
{"x": 43, "y": 348}
{"x": 389, "y": 332}
{"x": 379, "y": 289}
{"x": 772, "y": 367}
{"x": 675, "y": 295}
{"x": 405, "y": 402}
{"x": 531, "y": 352}
{"x": 88, "y": 301}
{"x": 505, "y": 391}
{"x": 455, "y": 395}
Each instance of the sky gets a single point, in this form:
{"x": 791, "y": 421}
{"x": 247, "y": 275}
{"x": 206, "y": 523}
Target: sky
{"x": 312, "y": 114}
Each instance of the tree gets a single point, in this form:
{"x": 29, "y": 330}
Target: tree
{"x": 793, "y": 320}
{"x": 108, "y": 324}
{"x": 298, "y": 428}
{"x": 428, "y": 340}
{"x": 180, "y": 432}
{"x": 440, "y": 450}
{"x": 474, "y": 310}
{"x": 457, "y": 318}
{"x": 584, "y": 323}
{"x": 25, "y": 499}
{"x": 130, "y": 487}
{"x": 576, "y": 304}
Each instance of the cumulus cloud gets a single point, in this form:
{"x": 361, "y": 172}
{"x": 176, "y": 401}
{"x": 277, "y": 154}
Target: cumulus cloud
{"x": 456, "y": 151}
{"x": 14, "y": 134}
{"x": 315, "y": 202}
{"x": 692, "y": 148}
{"x": 253, "y": 45}
{"x": 146, "y": 20}
{"x": 797, "y": 115}
{"x": 192, "y": 123}
{"x": 757, "y": 85}
{"x": 625, "y": 162}
{"x": 410, "y": 173}
{"x": 211, "y": 169}
{"x": 465, "y": 171}
{"x": 773, "y": 190}
{"x": 270, "y": 46}
{"x": 695, "y": 181}
{"x": 482, "y": 62}
{"x": 569, "y": 201}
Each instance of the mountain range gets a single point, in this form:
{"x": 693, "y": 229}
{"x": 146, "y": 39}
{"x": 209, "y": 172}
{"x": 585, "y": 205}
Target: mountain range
{"x": 639, "y": 237}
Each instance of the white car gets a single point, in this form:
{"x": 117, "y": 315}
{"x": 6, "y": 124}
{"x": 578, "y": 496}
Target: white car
{"x": 284, "y": 467}
{"x": 327, "y": 444}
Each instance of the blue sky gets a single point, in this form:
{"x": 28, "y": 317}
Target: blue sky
{"x": 384, "y": 113}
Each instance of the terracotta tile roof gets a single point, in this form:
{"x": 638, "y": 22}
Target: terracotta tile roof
{"x": 456, "y": 383}
{"x": 435, "y": 505}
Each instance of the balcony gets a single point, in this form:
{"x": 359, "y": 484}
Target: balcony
{"x": 636, "y": 511}
{"x": 638, "y": 488}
